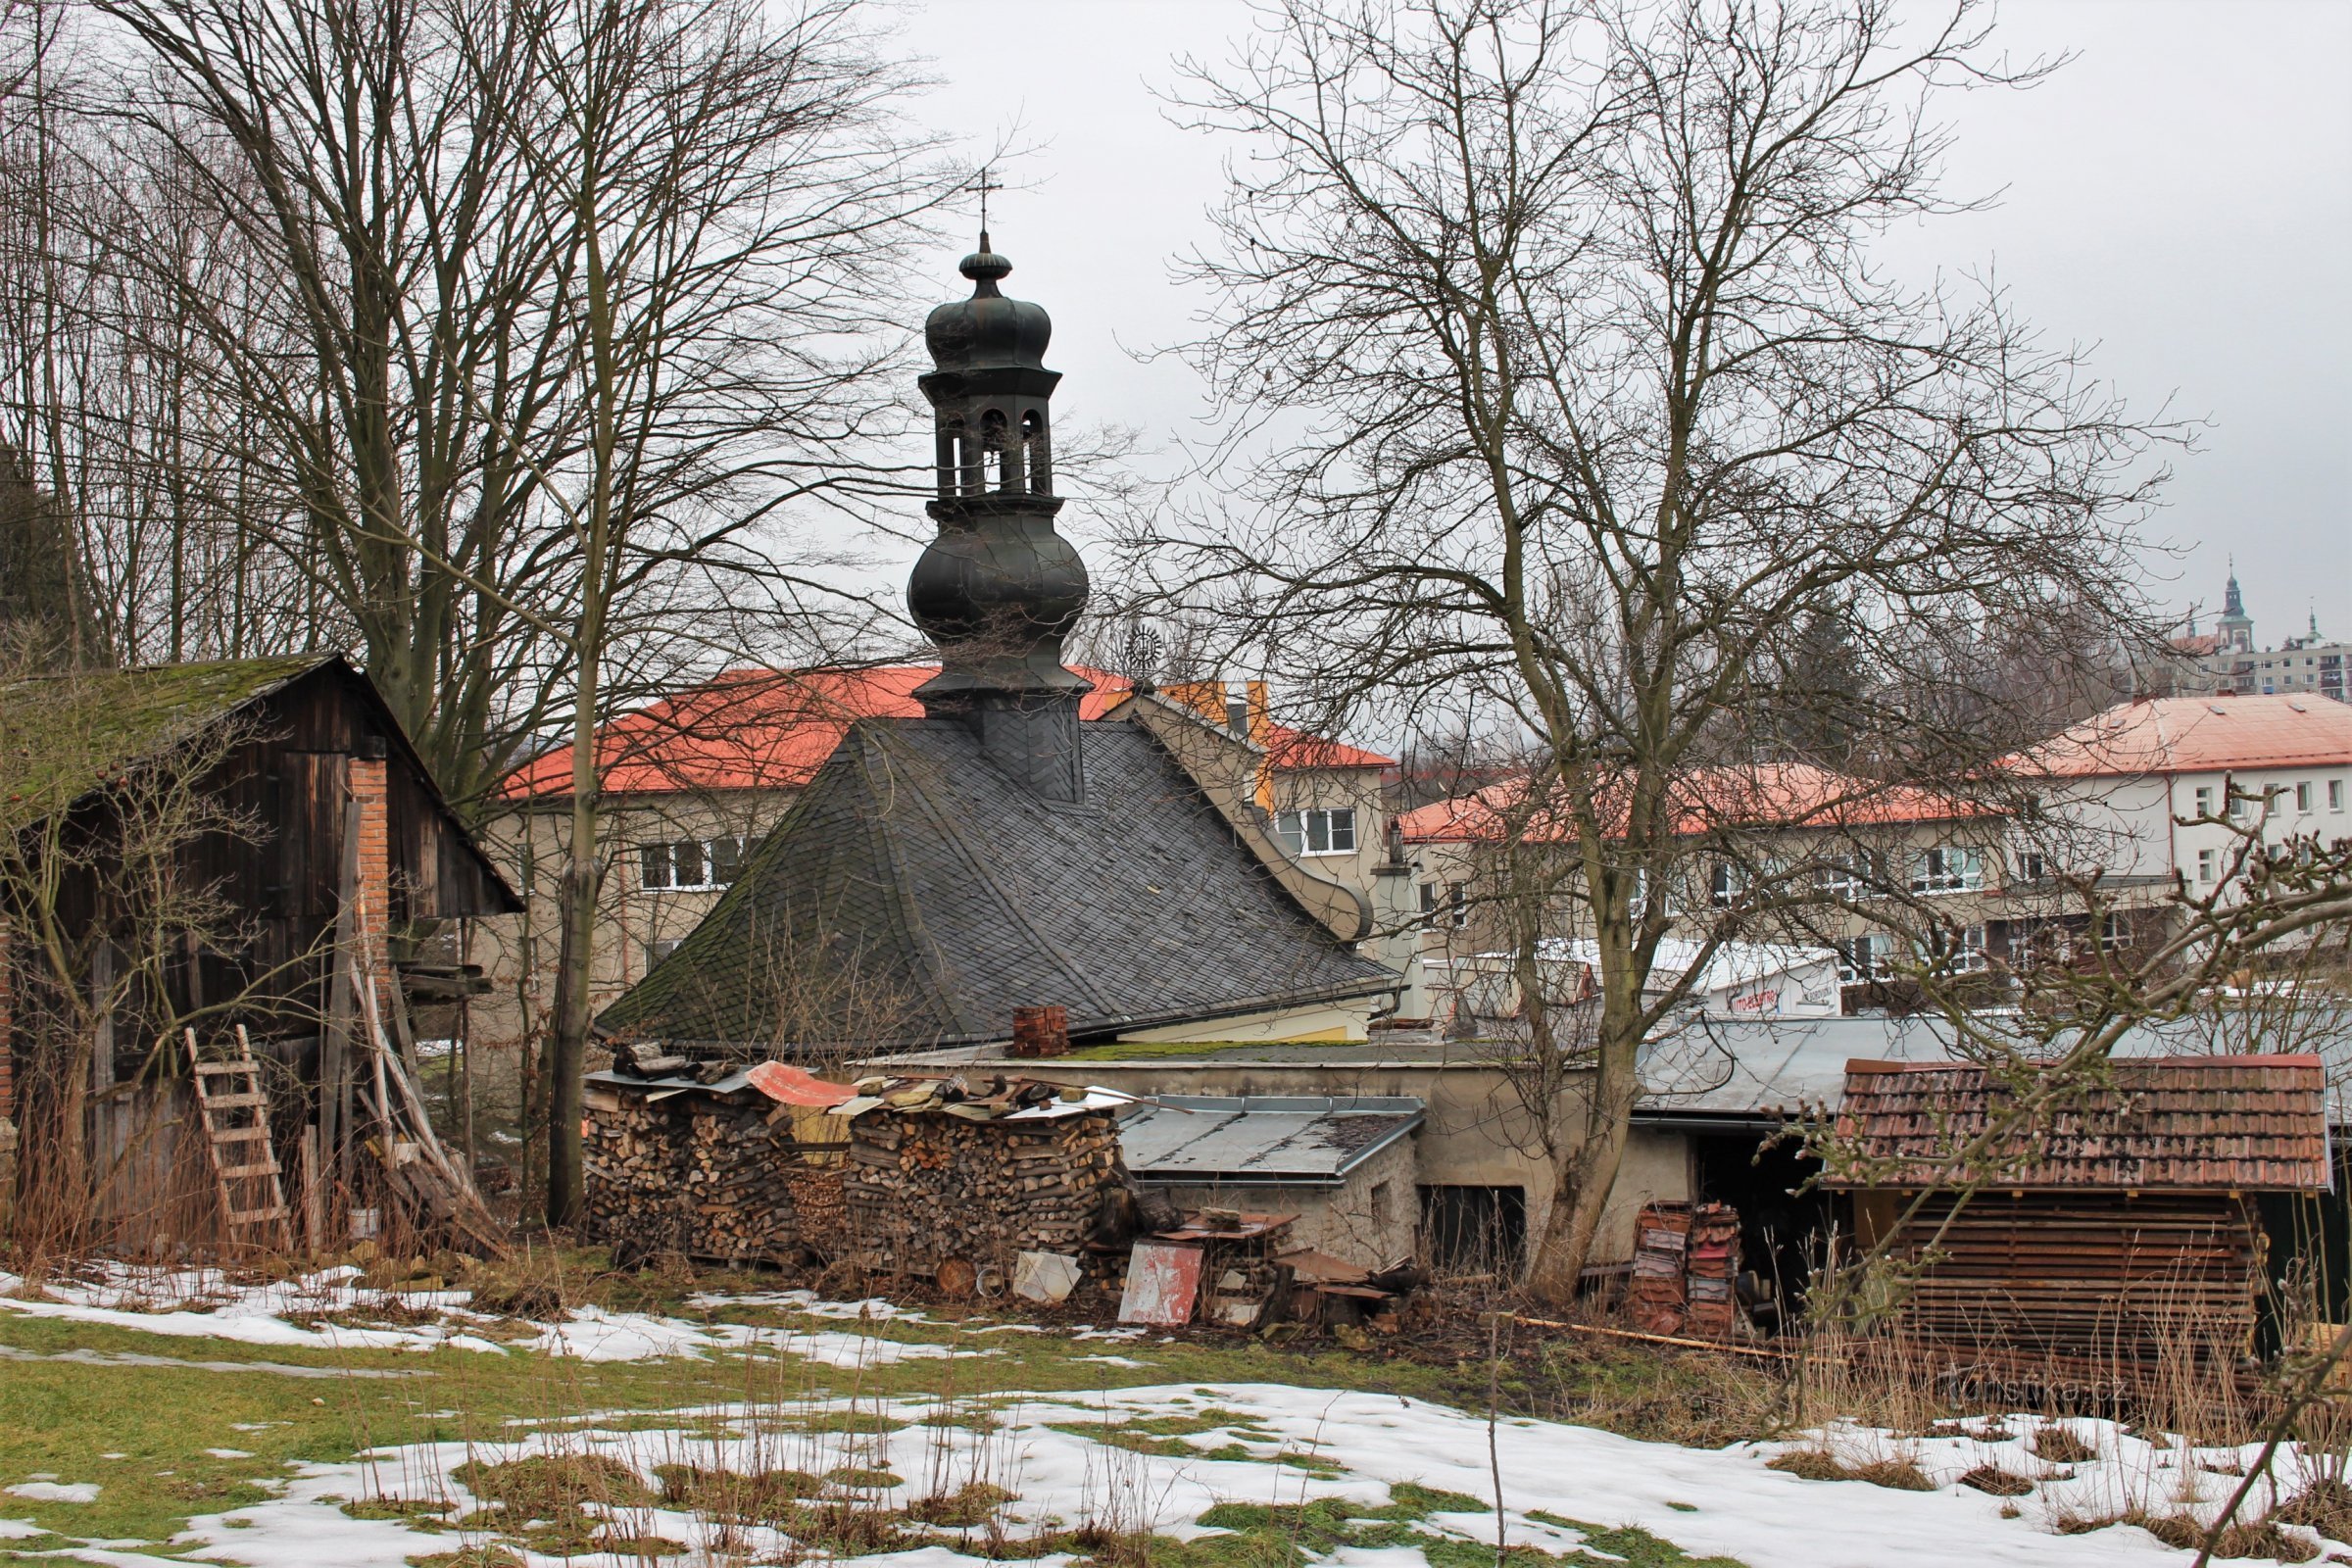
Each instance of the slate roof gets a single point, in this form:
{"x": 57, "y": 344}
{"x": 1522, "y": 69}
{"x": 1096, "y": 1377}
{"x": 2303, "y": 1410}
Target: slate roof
{"x": 914, "y": 895}
{"x": 1287, "y": 1140}
{"x": 2172, "y": 1123}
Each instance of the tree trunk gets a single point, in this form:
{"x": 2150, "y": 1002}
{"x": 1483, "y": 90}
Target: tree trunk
{"x": 568, "y": 1055}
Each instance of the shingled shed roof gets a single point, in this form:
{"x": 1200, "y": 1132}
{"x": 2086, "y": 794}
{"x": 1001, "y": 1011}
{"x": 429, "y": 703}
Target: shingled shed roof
{"x": 949, "y": 896}
{"x": 2169, "y": 1123}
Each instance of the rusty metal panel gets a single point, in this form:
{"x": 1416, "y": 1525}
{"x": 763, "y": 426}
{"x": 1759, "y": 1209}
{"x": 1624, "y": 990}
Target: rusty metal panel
{"x": 1164, "y": 1282}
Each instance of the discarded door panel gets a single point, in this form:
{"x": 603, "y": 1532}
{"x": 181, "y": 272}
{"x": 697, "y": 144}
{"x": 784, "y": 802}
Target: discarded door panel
{"x": 1164, "y": 1281}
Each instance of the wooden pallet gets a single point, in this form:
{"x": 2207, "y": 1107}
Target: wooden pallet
{"x": 253, "y": 1199}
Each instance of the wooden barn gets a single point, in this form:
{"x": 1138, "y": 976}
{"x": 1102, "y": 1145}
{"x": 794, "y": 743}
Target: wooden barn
{"x": 2118, "y": 1230}
{"x": 244, "y": 851}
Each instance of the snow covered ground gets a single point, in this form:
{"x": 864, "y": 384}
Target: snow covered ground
{"x": 1201, "y": 1446}
{"x": 328, "y": 1311}
{"x": 1043, "y": 1451}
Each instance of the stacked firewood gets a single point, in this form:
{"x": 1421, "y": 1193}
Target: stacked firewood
{"x": 689, "y": 1175}
{"x": 924, "y": 1186}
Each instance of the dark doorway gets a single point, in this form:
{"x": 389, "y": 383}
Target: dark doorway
{"x": 1783, "y": 1233}
{"x": 1474, "y": 1230}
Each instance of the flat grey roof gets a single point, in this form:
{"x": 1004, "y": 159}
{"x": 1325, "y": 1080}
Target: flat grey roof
{"x": 1288, "y": 1140}
{"x": 1765, "y": 1070}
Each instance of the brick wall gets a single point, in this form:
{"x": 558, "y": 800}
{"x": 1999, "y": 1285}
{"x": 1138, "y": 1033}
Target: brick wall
{"x": 369, "y": 786}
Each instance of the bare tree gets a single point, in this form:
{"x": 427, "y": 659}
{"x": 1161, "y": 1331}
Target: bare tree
{"x": 1554, "y": 342}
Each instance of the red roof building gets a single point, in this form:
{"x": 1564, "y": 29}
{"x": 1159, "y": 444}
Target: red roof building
{"x": 767, "y": 729}
{"x": 2163, "y": 735}
{"x": 1790, "y": 795}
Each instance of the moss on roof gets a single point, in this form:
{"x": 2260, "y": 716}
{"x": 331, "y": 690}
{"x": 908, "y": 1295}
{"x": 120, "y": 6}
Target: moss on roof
{"x": 62, "y": 736}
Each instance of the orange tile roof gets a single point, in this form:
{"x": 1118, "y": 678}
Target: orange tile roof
{"x": 2197, "y": 735}
{"x": 1289, "y": 747}
{"x": 2194, "y": 1123}
{"x": 1763, "y": 795}
{"x": 761, "y": 729}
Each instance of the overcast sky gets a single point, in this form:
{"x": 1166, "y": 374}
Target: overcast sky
{"x": 2179, "y": 197}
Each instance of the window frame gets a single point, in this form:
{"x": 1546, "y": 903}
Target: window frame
{"x": 1295, "y": 830}
{"x": 708, "y": 859}
{"x": 1942, "y": 879}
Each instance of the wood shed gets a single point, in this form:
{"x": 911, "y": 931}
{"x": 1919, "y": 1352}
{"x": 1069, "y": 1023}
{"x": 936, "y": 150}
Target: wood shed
{"x": 304, "y": 842}
{"x": 2118, "y": 1228}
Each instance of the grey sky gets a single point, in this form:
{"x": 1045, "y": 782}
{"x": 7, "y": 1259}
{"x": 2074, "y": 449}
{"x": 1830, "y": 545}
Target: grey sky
{"x": 2179, "y": 197}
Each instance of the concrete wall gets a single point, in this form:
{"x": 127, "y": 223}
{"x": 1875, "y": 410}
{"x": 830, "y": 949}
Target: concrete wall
{"x": 1476, "y": 1133}
{"x": 1371, "y": 1219}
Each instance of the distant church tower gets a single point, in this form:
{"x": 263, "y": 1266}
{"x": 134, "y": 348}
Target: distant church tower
{"x": 998, "y": 590}
{"x": 2236, "y": 627}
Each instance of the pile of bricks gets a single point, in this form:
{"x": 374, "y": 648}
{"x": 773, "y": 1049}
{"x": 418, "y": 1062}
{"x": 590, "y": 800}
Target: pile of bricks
{"x": 1686, "y": 1262}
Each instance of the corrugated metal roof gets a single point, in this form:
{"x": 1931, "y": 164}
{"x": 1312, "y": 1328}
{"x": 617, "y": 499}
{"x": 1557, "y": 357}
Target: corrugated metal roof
{"x": 2177, "y": 1123}
{"x": 1295, "y": 1139}
{"x": 1769, "y": 1069}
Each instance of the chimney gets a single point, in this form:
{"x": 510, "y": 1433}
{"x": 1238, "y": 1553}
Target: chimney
{"x": 1040, "y": 1032}
{"x": 371, "y": 786}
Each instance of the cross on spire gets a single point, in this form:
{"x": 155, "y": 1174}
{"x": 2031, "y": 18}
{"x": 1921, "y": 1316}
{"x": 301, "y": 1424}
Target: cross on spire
{"x": 986, "y": 185}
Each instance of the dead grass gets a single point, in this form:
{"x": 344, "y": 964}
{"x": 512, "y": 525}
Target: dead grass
{"x": 2324, "y": 1505}
{"x": 735, "y": 1496}
{"x": 2261, "y": 1538}
{"x": 554, "y": 1486}
{"x": 968, "y": 1507}
{"x": 2061, "y": 1445}
{"x": 1819, "y": 1464}
{"x": 1992, "y": 1479}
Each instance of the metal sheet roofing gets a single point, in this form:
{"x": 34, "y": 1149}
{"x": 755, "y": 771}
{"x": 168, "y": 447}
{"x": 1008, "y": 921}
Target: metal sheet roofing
{"x": 1291, "y": 1140}
{"x": 1765, "y": 1070}
{"x": 2169, "y": 1123}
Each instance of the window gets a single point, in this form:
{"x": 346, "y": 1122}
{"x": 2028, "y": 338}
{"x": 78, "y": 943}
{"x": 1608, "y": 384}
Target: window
{"x": 2335, "y": 795}
{"x": 1457, "y": 904}
{"x": 1847, "y": 878}
{"x": 1863, "y": 958}
{"x": 1429, "y": 905}
{"x": 2205, "y": 800}
{"x": 2241, "y": 805}
{"x": 2303, "y": 797}
{"x": 690, "y": 864}
{"x": 1725, "y": 884}
{"x": 1946, "y": 869}
{"x": 2033, "y": 865}
{"x": 1960, "y": 952}
{"x": 1380, "y": 1201}
{"x": 656, "y": 951}
{"x": 2115, "y": 933}
{"x": 2206, "y": 860}
{"x": 1317, "y": 831}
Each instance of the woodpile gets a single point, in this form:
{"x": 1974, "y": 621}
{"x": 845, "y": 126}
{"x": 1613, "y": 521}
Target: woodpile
{"x": 696, "y": 1174}
{"x": 926, "y": 1186}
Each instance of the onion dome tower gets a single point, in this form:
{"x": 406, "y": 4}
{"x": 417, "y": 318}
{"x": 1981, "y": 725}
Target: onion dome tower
{"x": 997, "y": 589}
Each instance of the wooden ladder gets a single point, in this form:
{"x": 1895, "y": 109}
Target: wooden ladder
{"x": 242, "y": 1156}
